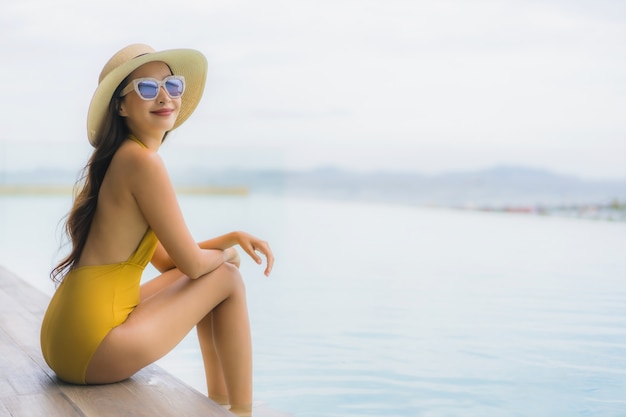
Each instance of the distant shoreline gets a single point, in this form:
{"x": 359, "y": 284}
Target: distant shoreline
{"x": 504, "y": 189}
{"x": 23, "y": 189}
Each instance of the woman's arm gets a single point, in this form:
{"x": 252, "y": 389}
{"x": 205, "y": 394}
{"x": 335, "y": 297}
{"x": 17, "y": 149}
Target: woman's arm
{"x": 162, "y": 261}
{"x": 155, "y": 196}
{"x": 250, "y": 244}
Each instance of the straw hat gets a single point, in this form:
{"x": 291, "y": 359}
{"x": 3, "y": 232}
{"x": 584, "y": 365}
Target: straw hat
{"x": 186, "y": 62}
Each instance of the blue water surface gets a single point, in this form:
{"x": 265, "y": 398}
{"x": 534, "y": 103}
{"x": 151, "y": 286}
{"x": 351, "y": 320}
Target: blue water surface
{"x": 379, "y": 310}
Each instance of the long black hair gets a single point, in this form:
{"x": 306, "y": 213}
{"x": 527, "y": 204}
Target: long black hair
{"x": 109, "y": 139}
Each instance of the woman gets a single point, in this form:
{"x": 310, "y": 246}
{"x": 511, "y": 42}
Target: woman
{"x": 101, "y": 325}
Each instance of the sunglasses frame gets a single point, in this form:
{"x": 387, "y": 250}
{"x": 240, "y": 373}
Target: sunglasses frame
{"x": 134, "y": 85}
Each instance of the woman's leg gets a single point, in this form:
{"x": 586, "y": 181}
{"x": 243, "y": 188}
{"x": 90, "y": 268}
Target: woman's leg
{"x": 216, "y": 385}
{"x": 153, "y": 286}
{"x": 234, "y": 354}
{"x": 163, "y": 319}
{"x": 215, "y": 382}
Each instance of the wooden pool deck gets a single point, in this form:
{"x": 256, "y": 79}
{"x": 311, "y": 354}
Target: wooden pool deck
{"x": 28, "y": 388}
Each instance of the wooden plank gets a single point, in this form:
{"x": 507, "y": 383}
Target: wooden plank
{"x": 24, "y": 389}
{"x": 42, "y": 404}
{"x": 171, "y": 390}
{"x": 3, "y": 411}
{"x": 7, "y": 303}
{"x": 26, "y": 296}
{"x": 163, "y": 397}
{"x": 34, "y": 353}
{"x": 23, "y": 327}
{"x": 6, "y": 389}
{"x": 22, "y": 374}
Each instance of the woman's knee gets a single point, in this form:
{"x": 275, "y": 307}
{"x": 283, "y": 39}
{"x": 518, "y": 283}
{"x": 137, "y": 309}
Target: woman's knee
{"x": 230, "y": 273}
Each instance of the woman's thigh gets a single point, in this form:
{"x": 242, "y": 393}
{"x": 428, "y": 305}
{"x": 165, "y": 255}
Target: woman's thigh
{"x": 160, "y": 322}
{"x": 149, "y": 288}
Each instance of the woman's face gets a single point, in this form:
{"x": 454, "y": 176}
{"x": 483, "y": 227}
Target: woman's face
{"x": 150, "y": 117}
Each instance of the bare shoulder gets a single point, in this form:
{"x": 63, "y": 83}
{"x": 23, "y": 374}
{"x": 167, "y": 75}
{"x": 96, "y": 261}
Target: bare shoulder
{"x": 134, "y": 157}
{"x": 136, "y": 163}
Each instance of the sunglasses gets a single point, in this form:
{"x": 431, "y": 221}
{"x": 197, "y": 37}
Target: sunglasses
{"x": 148, "y": 88}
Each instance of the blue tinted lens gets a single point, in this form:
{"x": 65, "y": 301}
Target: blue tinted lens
{"x": 148, "y": 89}
{"x": 174, "y": 87}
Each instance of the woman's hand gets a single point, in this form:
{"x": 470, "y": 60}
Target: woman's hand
{"x": 251, "y": 245}
{"x": 232, "y": 257}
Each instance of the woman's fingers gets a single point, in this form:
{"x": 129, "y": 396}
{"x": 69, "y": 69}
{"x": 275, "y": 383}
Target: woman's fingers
{"x": 251, "y": 245}
{"x": 264, "y": 248}
{"x": 251, "y": 250}
{"x": 268, "y": 269}
{"x": 270, "y": 259}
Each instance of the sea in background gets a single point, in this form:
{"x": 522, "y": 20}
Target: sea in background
{"x": 397, "y": 310}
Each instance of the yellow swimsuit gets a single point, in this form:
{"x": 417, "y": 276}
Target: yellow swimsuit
{"x": 90, "y": 302}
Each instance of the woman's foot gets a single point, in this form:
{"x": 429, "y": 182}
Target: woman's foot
{"x": 242, "y": 410}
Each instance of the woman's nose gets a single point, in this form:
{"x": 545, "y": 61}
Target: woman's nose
{"x": 163, "y": 97}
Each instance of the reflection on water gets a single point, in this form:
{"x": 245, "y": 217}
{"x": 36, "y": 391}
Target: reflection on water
{"x": 399, "y": 311}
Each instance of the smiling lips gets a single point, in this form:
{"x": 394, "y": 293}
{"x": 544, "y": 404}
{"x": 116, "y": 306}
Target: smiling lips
{"x": 163, "y": 112}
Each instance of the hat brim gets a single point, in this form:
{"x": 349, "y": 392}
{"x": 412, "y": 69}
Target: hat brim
{"x": 186, "y": 62}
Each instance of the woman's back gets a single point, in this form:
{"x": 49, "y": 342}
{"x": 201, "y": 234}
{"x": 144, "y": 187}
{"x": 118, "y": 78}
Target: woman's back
{"x": 118, "y": 225}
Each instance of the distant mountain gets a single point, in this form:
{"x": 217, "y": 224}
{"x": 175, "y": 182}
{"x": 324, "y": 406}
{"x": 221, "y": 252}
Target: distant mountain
{"x": 498, "y": 186}
{"x": 506, "y": 185}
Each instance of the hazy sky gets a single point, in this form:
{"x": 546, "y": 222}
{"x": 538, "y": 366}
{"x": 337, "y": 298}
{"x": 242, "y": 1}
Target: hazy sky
{"x": 428, "y": 86}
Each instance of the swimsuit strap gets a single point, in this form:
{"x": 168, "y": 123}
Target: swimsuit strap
{"x": 145, "y": 250}
{"x": 134, "y": 139}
